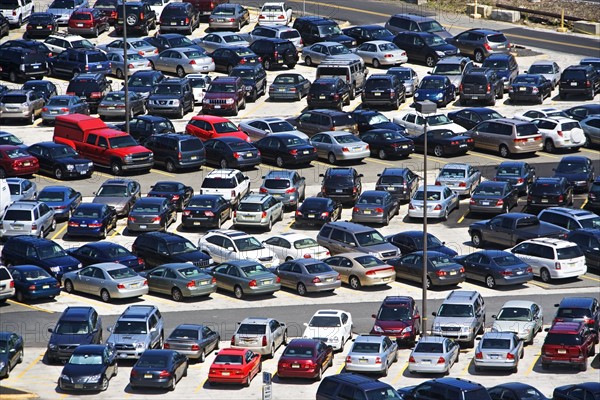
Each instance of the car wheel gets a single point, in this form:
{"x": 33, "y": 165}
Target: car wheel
{"x": 116, "y": 168}
{"x": 179, "y": 71}
{"x": 180, "y": 112}
{"x": 438, "y": 150}
{"x": 429, "y": 284}
{"x": 103, "y": 234}
{"x": 504, "y": 152}
{"x": 95, "y": 32}
{"x": 583, "y": 366}
{"x": 490, "y": 282}
{"x": 479, "y": 56}
{"x": 279, "y": 162}
{"x": 53, "y": 225}
{"x": 173, "y": 383}
{"x": 104, "y": 295}
{"x": 476, "y": 239}
{"x": 308, "y": 61}
{"x": 69, "y": 286}
{"x": 319, "y": 374}
{"x": 2, "y": 173}
{"x": 202, "y": 357}
{"x": 229, "y": 69}
{"x": 176, "y": 294}
{"x": 445, "y": 216}
{"x": 270, "y": 225}
{"x": 21, "y": 354}
{"x": 19, "y": 296}
{"x": 267, "y": 65}
{"x": 376, "y": 63}
{"x": 381, "y": 154}
{"x": 354, "y": 282}
{"x": 549, "y": 146}
{"x": 104, "y": 384}
{"x": 247, "y": 380}
{"x": 170, "y": 166}
{"x": 238, "y": 292}
{"x": 545, "y": 275}
{"x": 12, "y": 76}
{"x": 301, "y": 289}
{"x": 331, "y": 158}
{"x": 31, "y": 119}
{"x": 430, "y": 61}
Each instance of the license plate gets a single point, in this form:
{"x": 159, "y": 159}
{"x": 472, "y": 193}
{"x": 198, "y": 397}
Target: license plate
{"x": 562, "y": 351}
{"x": 295, "y": 365}
{"x": 79, "y": 25}
{"x": 38, "y": 27}
{"x": 83, "y": 172}
{"x": 305, "y": 152}
{"x": 53, "y": 111}
{"x": 494, "y": 357}
{"x": 544, "y": 200}
{"x": 26, "y": 164}
{"x": 205, "y": 282}
{"x": 452, "y": 272}
{"x": 390, "y": 188}
{"x": 46, "y": 287}
{"x": 363, "y": 361}
{"x": 148, "y": 376}
{"x": 463, "y": 145}
{"x": 225, "y": 373}
{"x": 197, "y": 223}
{"x": 133, "y": 285}
{"x": 366, "y": 211}
{"x": 78, "y": 386}
{"x": 266, "y": 282}
{"x": 522, "y": 89}
{"x": 519, "y": 272}
{"x": 280, "y": 61}
{"x": 173, "y": 23}
{"x": 143, "y": 226}
{"x": 475, "y": 97}
{"x": 217, "y": 107}
{"x": 485, "y": 203}
{"x": 338, "y": 190}
{"x": 357, "y": 149}
{"x": 405, "y": 146}
{"x": 329, "y": 280}
{"x": 377, "y": 94}
{"x": 111, "y": 108}
{"x": 573, "y": 83}
{"x": 322, "y": 97}
{"x": 311, "y": 215}
{"x": 248, "y": 154}
{"x": 193, "y": 157}
{"x": 281, "y": 90}
{"x": 531, "y": 140}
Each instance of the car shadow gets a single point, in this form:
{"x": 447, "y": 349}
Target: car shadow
{"x": 246, "y": 297}
{"x": 112, "y": 301}
{"x": 222, "y": 386}
{"x": 419, "y": 285}
{"x": 487, "y": 372}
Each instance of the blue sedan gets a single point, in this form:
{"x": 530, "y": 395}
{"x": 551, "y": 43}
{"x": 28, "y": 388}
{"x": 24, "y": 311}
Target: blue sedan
{"x": 436, "y": 88}
{"x": 495, "y": 268}
{"x": 102, "y": 252}
{"x": 92, "y": 219}
{"x": 32, "y": 282}
{"x": 62, "y": 199}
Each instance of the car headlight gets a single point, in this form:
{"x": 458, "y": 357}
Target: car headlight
{"x": 51, "y": 346}
{"x": 249, "y": 88}
{"x": 175, "y": 102}
{"x": 90, "y": 164}
{"x": 62, "y": 376}
{"x": 439, "y": 95}
{"x": 79, "y": 265}
{"x": 335, "y": 339}
{"x": 440, "y": 53}
{"x": 70, "y": 167}
{"x": 140, "y": 345}
{"x": 465, "y": 329}
{"x": 408, "y": 329}
{"x": 229, "y": 101}
{"x": 417, "y": 94}
{"x": 128, "y": 158}
{"x": 377, "y": 328}
{"x": 354, "y": 43}
{"x": 55, "y": 269}
{"x": 94, "y": 378}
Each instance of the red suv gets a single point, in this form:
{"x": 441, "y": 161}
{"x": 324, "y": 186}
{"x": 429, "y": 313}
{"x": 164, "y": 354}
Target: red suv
{"x": 398, "y": 317}
{"x": 568, "y": 343}
{"x": 225, "y": 95}
{"x": 88, "y": 21}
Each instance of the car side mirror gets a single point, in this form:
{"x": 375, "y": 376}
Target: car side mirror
{"x": 556, "y": 305}
{"x": 547, "y": 330}
{"x": 267, "y": 131}
{"x": 230, "y": 248}
{"x": 494, "y": 316}
{"x": 373, "y": 316}
{"x": 110, "y": 329}
{"x": 152, "y": 330}
{"x": 95, "y": 330}
{"x": 50, "y": 330}
{"x": 434, "y": 314}
{"x": 109, "y": 82}
{"x": 361, "y": 176}
{"x": 320, "y": 175}
{"x": 554, "y": 169}
{"x": 305, "y": 324}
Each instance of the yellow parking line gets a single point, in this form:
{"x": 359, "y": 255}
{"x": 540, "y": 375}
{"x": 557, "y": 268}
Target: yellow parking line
{"x": 339, "y": 370}
{"x": 322, "y": 164}
{"x": 37, "y": 360}
{"x": 584, "y": 204}
{"x": 543, "y": 286}
{"x": 289, "y": 226}
{"x": 153, "y": 298}
{"x": 461, "y": 219}
{"x": 103, "y": 174}
{"x": 537, "y": 357}
{"x": 47, "y": 177}
{"x": 590, "y": 278}
{"x": 253, "y": 110}
{"x": 158, "y": 171}
{"x": 378, "y": 162}
{"x": 595, "y": 152}
{"x": 466, "y": 369}
{"x": 118, "y": 231}
{"x": 400, "y": 374}
{"x": 547, "y": 155}
{"x": 60, "y": 231}
{"x": 200, "y": 386}
{"x": 30, "y": 306}
{"x": 286, "y": 294}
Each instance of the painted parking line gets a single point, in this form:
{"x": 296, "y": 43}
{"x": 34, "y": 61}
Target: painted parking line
{"x": 47, "y": 178}
{"x": 465, "y": 370}
{"x": 59, "y": 232}
{"x": 158, "y": 171}
{"x": 400, "y": 374}
{"x": 535, "y": 360}
{"x": 591, "y": 278}
{"x": 118, "y": 231}
{"x": 200, "y": 386}
{"x": 462, "y": 218}
{"x": 37, "y": 360}
{"x": 542, "y": 285}
{"x": 373, "y": 160}
{"x": 103, "y": 174}
{"x": 93, "y": 303}
{"x": 584, "y": 204}
{"x": 30, "y": 306}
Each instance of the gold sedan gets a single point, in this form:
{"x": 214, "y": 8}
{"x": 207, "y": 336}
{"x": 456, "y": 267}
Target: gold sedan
{"x": 361, "y": 269}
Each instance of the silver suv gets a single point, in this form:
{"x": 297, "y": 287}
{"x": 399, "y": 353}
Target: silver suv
{"x": 260, "y": 210}
{"x": 286, "y": 186}
{"x": 137, "y": 329}
{"x": 261, "y": 335}
{"x": 27, "y": 217}
{"x": 460, "y": 317}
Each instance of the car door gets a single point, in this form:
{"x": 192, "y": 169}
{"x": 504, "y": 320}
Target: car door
{"x": 157, "y": 281}
{"x": 284, "y": 272}
{"x": 389, "y": 349}
{"x": 475, "y": 266}
{"x": 530, "y": 253}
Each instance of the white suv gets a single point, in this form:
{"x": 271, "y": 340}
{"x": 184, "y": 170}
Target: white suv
{"x": 228, "y": 244}
{"x": 17, "y": 11}
{"x": 277, "y": 13}
{"x": 560, "y": 133}
{"x": 334, "y": 327}
{"x": 59, "y": 42}
{"x": 552, "y": 258}
{"x": 229, "y": 183}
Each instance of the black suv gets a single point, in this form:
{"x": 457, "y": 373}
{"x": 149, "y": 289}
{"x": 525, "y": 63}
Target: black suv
{"x": 275, "y": 52}
{"x": 319, "y": 29}
{"x": 157, "y": 248}
{"x": 383, "y": 90}
{"x": 20, "y": 63}
{"x": 144, "y": 126}
{"x": 254, "y": 78}
{"x": 353, "y": 386}
{"x": 481, "y": 85}
{"x": 179, "y": 17}
{"x": 341, "y": 184}
{"x": 315, "y": 121}
{"x": 175, "y": 151}
{"x": 91, "y": 86}
{"x": 328, "y": 92}
{"x": 579, "y": 80}
{"x": 76, "y": 326}
{"x": 171, "y": 96}
{"x": 424, "y": 47}
{"x": 140, "y": 18}
{"x": 445, "y": 388}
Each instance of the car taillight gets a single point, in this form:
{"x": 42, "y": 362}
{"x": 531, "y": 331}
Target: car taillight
{"x": 164, "y": 374}
{"x": 211, "y": 20}
{"x": 557, "y": 265}
{"x": 263, "y": 190}
{"x": 70, "y": 93}
{"x": 95, "y": 225}
{"x": 44, "y": 109}
{"x": 252, "y": 283}
{"x": 275, "y": 54}
{"x": 348, "y": 360}
{"x": 510, "y": 89}
{"x": 96, "y": 95}
{"x": 472, "y": 202}
{"x": 231, "y": 19}
{"x": 291, "y": 190}
{"x": 294, "y": 152}
{"x": 133, "y": 373}
{"x": 560, "y": 133}
{"x": 187, "y": 21}
{"x": 34, "y": 227}
{"x": 191, "y": 284}
{"x": 561, "y": 198}
{"x": 64, "y": 109}
{"x": 506, "y": 272}
{"x": 195, "y": 347}
{"x": 233, "y": 340}
{"x": 588, "y": 83}
{"x": 510, "y": 356}
{"x": 156, "y": 219}
{"x": 233, "y": 193}
{"x": 142, "y": 16}
{"x": 462, "y": 184}
{"x": 281, "y": 17}
{"x": 462, "y": 270}
{"x": 440, "y": 273}
{"x": 487, "y": 46}
{"x": 261, "y": 16}
{"x": 489, "y": 88}
{"x": 140, "y": 261}
{"x": 520, "y": 180}
{"x": 479, "y": 356}
{"x": 166, "y": 346}
{"x": 192, "y": 62}
{"x": 500, "y": 202}
{"x": 209, "y": 213}
{"x": 377, "y": 360}
{"x": 187, "y": 213}
{"x": 438, "y": 207}
{"x": 438, "y": 183}
{"x": 379, "y": 210}
{"x": 213, "y": 280}
{"x": 120, "y": 286}
{"x": 336, "y": 96}
{"x": 410, "y": 206}
{"x": 316, "y": 280}
{"x": 131, "y": 219}
{"x": 460, "y": 87}
{"x": 354, "y": 190}
{"x": 264, "y": 340}
{"x": 264, "y": 214}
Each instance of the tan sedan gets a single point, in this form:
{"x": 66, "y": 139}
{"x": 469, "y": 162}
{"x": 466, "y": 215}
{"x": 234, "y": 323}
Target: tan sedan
{"x": 361, "y": 269}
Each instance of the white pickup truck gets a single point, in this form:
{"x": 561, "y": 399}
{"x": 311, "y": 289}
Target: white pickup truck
{"x": 275, "y": 14}
{"x": 16, "y": 11}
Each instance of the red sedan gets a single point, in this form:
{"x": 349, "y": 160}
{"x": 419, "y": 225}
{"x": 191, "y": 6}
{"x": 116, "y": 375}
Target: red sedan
{"x": 305, "y": 358}
{"x": 14, "y": 161}
{"x": 208, "y": 127}
{"x": 235, "y": 366}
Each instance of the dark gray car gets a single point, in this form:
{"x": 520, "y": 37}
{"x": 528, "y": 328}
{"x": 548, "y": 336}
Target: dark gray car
{"x": 180, "y": 280}
{"x": 307, "y": 275}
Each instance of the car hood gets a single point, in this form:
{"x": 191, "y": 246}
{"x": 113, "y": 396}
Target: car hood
{"x": 73, "y": 160}
{"x": 454, "y": 321}
{"x": 512, "y": 326}
{"x": 393, "y": 325}
{"x": 82, "y": 370}
{"x": 70, "y": 338}
{"x": 428, "y": 93}
{"x": 322, "y": 332}
{"x": 116, "y": 202}
{"x": 127, "y": 338}
{"x": 219, "y": 95}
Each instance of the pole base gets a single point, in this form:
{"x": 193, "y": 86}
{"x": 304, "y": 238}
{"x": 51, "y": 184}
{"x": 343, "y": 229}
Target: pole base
{"x": 562, "y": 30}
{"x": 475, "y": 15}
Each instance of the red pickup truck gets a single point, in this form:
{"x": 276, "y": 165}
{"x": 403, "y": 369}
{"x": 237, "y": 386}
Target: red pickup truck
{"x": 104, "y": 146}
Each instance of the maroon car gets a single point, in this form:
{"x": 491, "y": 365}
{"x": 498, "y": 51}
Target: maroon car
{"x": 225, "y": 95}
{"x": 398, "y": 317}
{"x": 14, "y": 161}
{"x": 305, "y": 358}
{"x": 568, "y": 344}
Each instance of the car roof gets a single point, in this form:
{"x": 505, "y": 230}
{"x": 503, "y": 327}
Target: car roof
{"x": 223, "y": 173}
{"x": 339, "y": 170}
{"x": 369, "y": 339}
{"x": 90, "y": 348}
{"x": 559, "y": 243}
{"x": 518, "y": 304}
{"x": 574, "y": 158}
{"x": 432, "y": 339}
{"x": 292, "y": 236}
{"x": 576, "y": 302}
{"x": 117, "y": 181}
{"x": 463, "y": 384}
{"x": 137, "y": 311}
{"x": 298, "y": 342}
{"x": 189, "y": 326}
{"x": 394, "y": 171}
{"x": 330, "y": 312}
{"x": 102, "y": 244}
{"x": 55, "y": 188}
{"x": 232, "y": 351}
{"x": 566, "y": 327}
{"x": 75, "y": 313}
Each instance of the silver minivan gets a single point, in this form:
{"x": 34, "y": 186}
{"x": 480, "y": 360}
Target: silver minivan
{"x": 507, "y": 136}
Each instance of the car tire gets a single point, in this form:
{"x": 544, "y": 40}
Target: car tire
{"x": 176, "y": 294}
{"x": 2, "y": 173}
{"x": 331, "y": 158}
{"x": 381, "y": 154}
{"x": 170, "y": 166}
{"x": 69, "y": 288}
{"x": 438, "y": 150}
{"x": 104, "y": 384}
{"x": 430, "y": 60}
{"x": 583, "y": 366}
{"x": 53, "y": 225}
{"x": 12, "y": 76}
{"x": 376, "y": 63}
{"x": 224, "y": 164}
{"x": 545, "y": 275}
{"x": 179, "y": 71}
{"x": 116, "y": 168}
{"x": 479, "y": 56}
{"x": 308, "y": 61}
{"x": 103, "y": 234}
{"x": 270, "y": 225}
{"x": 173, "y": 383}
{"x": 354, "y": 282}
{"x": 490, "y": 282}
{"x": 105, "y": 296}
{"x": 549, "y": 146}
{"x": 19, "y": 296}
{"x": 180, "y": 112}
{"x": 301, "y": 289}
{"x": 504, "y": 151}
{"x": 267, "y": 65}
{"x": 476, "y": 239}
{"x": 238, "y": 292}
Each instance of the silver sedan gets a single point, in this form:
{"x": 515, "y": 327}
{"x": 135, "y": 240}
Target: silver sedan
{"x": 433, "y": 354}
{"x": 215, "y": 40}
{"x": 316, "y": 53}
{"x": 498, "y": 350}
{"x": 136, "y": 45}
{"x": 261, "y": 127}
{"x": 113, "y": 105}
{"x": 441, "y": 200}
{"x": 548, "y": 68}
{"x": 182, "y": 61}
{"x": 462, "y": 178}
{"x": 371, "y": 353}
{"x": 107, "y": 280}
{"x": 62, "y": 105}
{"x": 180, "y": 280}
{"x": 135, "y": 63}
{"x": 340, "y": 145}
{"x": 229, "y": 16}
{"x": 381, "y": 52}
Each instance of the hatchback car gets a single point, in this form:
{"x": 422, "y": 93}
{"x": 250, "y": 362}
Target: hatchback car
{"x": 359, "y": 269}
{"x": 436, "y": 88}
{"x": 560, "y": 133}
{"x": 27, "y": 217}
{"x": 480, "y": 43}
{"x": 245, "y": 278}
{"x": 286, "y": 186}
{"x": 441, "y": 200}
{"x": 307, "y": 275}
{"x": 22, "y": 189}
{"x": 21, "y": 105}
{"x": 441, "y": 269}
{"x": 305, "y": 358}
{"x": 494, "y": 197}
{"x": 261, "y": 335}
{"x": 372, "y": 353}
{"x": 433, "y": 354}
{"x": 259, "y": 210}
{"x": 569, "y": 344}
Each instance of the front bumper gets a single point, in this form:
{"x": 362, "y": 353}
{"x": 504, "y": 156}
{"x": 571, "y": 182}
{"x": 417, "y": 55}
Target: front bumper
{"x": 65, "y": 385}
{"x": 137, "y": 166}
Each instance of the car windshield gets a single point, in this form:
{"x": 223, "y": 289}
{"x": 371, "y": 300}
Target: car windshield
{"x": 456, "y": 310}
{"x": 432, "y": 84}
{"x": 447, "y": 69}
{"x": 252, "y": 329}
{"x": 16, "y": 153}
{"x": 130, "y": 327}
{"x": 526, "y": 79}
{"x": 251, "y": 270}
{"x": 426, "y": 347}
{"x": 141, "y": 81}
{"x": 347, "y": 139}
{"x": 198, "y": 83}
{"x": 568, "y": 312}
{"x": 165, "y": 89}
{"x": 383, "y": 394}
{"x": 116, "y": 251}
{"x": 391, "y": 179}
{"x": 248, "y": 244}
{"x": 242, "y": 72}
{"x": 190, "y": 272}
{"x": 338, "y": 49}
{"x": 507, "y": 260}
{"x": 122, "y": 273}
{"x": 50, "y": 251}
{"x": 369, "y": 261}
{"x": 9, "y": 4}
{"x": 434, "y": 41}
{"x": 70, "y": 4}
{"x": 62, "y": 152}
{"x": 305, "y": 243}
{"x": 217, "y": 87}
{"x": 119, "y": 142}
{"x": 225, "y": 127}
{"x": 35, "y": 274}
{"x": 562, "y": 339}
{"x": 441, "y": 261}
{"x": 541, "y": 69}
{"x": 228, "y": 359}
{"x": 299, "y": 352}
{"x": 181, "y": 333}
{"x": 86, "y": 359}
{"x": 244, "y": 52}
{"x": 13, "y": 99}
{"x": 17, "y": 215}
{"x": 438, "y": 120}
{"x": 282, "y": 126}
{"x": 489, "y": 343}
{"x": 232, "y": 38}
{"x": 431, "y": 196}
{"x": 320, "y": 321}
{"x": 567, "y": 167}
{"x": 113, "y": 191}
{"x": 329, "y": 30}
{"x": 157, "y": 362}
{"x": 317, "y": 268}
{"x": 72, "y": 328}
{"x": 371, "y": 238}
{"x": 514, "y": 314}
{"x": 452, "y": 173}
{"x": 377, "y": 84}
{"x": 224, "y": 11}
{"x": 528, "y": 393}
{"x": 48, "y": 196}
{"x": 365, "y": 348}
{"x": 183, "y": 246}
{"x": 394, "y": 314}
{"x": 10, "y": 140}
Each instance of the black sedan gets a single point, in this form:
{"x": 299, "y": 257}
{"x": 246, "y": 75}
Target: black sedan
{"x": 176, "y": 192}
{"x": 441, "y": 269}
{"x": 443, "y": 142}
{"x": 317, "y": 211}
{"x": 40, "y": 25}
{"x": 582, "y": 111}
{"x": 11, "y": 352}
{"x": 286, "y": 150}
{"x": 231, "y": 152}
{"x": 386, "y": 144}
{"x": 90, "y": 367}
{"x": 519, "y": 173}
{"x": 172, "y": 41}
{"x": 586, "y": 390}
{"x": 549, "y": 192}
{"x": 516, "y": 391}
{"x": 151, "y": 214}
{"x": 61, "y": 161}
{"x": 366, "y": 33}
{"x": 226, "y": 58}
{"x": 370, "y": 119}
{"x": 101, "y": 252}
{"x": 495, "y": 267}
{"x": 411, "y": 241}
{"x": 530, "y": 87}
{"x": 144, "y": 126}
{"x": 493, "y": 197}
{"x": 158, "y": 369}
{"x": 206, "y": 210}
{"x": 469, "y": 117}
{"x": 289, "y": 86}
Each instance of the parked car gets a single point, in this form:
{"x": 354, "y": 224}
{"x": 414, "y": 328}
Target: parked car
{"x": 182, "y": 61}
{"x": 90, "y": 21}
{"x": 469, "y": 117}
{"x": 588, "y": 241}
{"x": 63, "y": 105}
{"x": 176, "y": 17}
{"x": 498, "y": 350}
{"x": 214, "y": 40}
{"x": 408, "y": 77}
{"x": 275, "y": 52}
{"x": 343, "y": 185}
{"x": 443, "y": 142}
{"x": 286, "y": 149}
{"x": 261, "y": 335}
{"x": 579, "y": 80}
{"x": 316, "y": 211}
{"x": 334, "y": 325}
{"x": 461, "y": 178}
{"x": 31, "y": 283}
{"x": 286, "y": 186}
{"x": 27, "y": 217}
{"x": 591, "y": 130}
{"x": 560, "y": 133}
{"x": 519, "y": 173}
{"x": 441, "y": 269}
{"x": 21, "y": 189}
{"x": 359, "y": 269}
{"x": 232, "y": 152}
{"x": 337, "y": 146}
{"x": 143, "y": 82}
{"x": 411, "y": 241}
{"x": 577, "y": 170}
{"x": 495, "y": 268}
{"x": 193, "y": 341}
{"x": 225, "y": 95}
{"x": 375, "y": 206}
{"x": 137, "y": 329}
{"x": 372, "y": 353}
{"x": 370, "y": 119}
{"x": 275, "y": 13}
{"x": 495, "y": 197}
{"x": 383, "y": 90}
{"x": 171, "y": 97}
{"x": 76, "y": 326}
{"x": 106, "y": 251}
{"x": 462, "y": 309}
{"x": 96, "y": 364}
{"x": 548, "y": 69}
{"x": 307, "y": 275}
{"x": 569, "y": 392}
{"x": 524, "y": 318}
{"x": 21, "y": 105}
{"x": 293, "y": 246}
{"x": 134, "y": 45}
{"x": 305, "y": 358}
{"x": 365, "y": 33}
{"x": 237, "y": 366}
{"x": 229, "y": 183}
{"x": 114, "y": 104}
{"x": 258, "y": 210}
{"x": 150, "y": 214}
{"x": 329, "y": 92}
{"x": 549, "y": 192}
{"x": 414, "y": 123}
{"x": 176, "y": 192}
{"x": 142, "y": 127}
{"x": 398, "y": 318}
{"x": 255, "y": 79}
{"x": 40, "y": 25}
{"x": 90, "y": 219}
{"x": 579, "y": 309}
{"x": 441, "y": 200}
{"x": 356, "y": 238}
{"x": 528, "y": 87}
{"x": 206, "y": 210}
{"x": 229, "y": 16}
{"x": 158, "y": 248}
{"x": 244, "y": 278}
{"x": 120, "y": 194}
{"x": 180, "y": 281}
{"x": 288, "y": 86}
{"x": 425, "y": 47}
{"x": 276, "y": 31}
{"x": 399, "y": 182}
{"x": 315, "y": 121}
{"x": 362, "y": 385}
{"x": 507, "y": 136}
{"x": 480, "y": 43}
{"x": 158, "y": 369}
{"x": 570, "y": 344}
{"x": 135, "y": 63}
{"x": 437, "y": 89}
{"x": 433, "y": 354}
{"x": 381, "y": 52}
{"x": 208, "y": 127}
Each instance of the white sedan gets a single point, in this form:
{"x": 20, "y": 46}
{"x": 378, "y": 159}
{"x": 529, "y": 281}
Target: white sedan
{"x": 414, "y": 123}
{"x": 381, "y": 52}
{"x": 291, "y": 246}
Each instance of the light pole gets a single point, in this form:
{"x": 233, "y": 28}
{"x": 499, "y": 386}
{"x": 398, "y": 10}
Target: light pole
{"x": 125, "y": 69}
{"x": 425, "y": 108}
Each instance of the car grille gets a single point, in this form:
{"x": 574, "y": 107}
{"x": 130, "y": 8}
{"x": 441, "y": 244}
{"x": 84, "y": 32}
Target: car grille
{"x": 388, "y": 254}
{"x": 142, "y": 156}
{"x": 265, "y": 258}
{"x": 217, "y": 101}
{"x": 81, "y": 167}
{"x": 124, "y": 347}
{"x": 201, "y": 263}
{"x": 67, "y": 347}
{"x": 450, "y": 328}
{"x": 80, "y": 379}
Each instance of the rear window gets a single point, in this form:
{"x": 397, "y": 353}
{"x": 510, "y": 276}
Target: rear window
{"x": 563, "y": 339}
{"x": 82, "y": 16}
{"x": 323, "y": 87}
{"x": 218, "y": 183}
{"x": 573, "y": 74}
{"x": 8, "y": 4}
{"x": 250, "y": 207}
{"x": 97, "y": 57}
{"x": 172, "y": 12}
{"x": 527, "y": 130}
{"x": 184, "y": 334}
{"x": 391, "y": 179}
{"x": 377, "y": 84}
{"x": 573, "y": 313}
{"x": 283, "y": 47}
{"x": 568, "y": 126}
{"x": 251, "y": 329}
{"x": 17, "y": 215}
{"x": 14, "y": 99}
{"x": 277, "y": 183}
{"x": 497, "y": 38}
{"x": 567, "y": 253}
{"x": 343, "y": 119}
{"x": 544, "y": 188}
{"x": 84, "y": 86}
{"x": 475, "y": 79}
{"x": 191, "y": 145}
{"x": 289, "y": 35}
{"x": 4, "y": 275}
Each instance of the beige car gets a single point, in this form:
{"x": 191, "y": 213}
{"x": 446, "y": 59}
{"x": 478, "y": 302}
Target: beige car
{"x": 21, "y": 104}
{"x": 361, "y": 269}
{"x": 507, "y": 136}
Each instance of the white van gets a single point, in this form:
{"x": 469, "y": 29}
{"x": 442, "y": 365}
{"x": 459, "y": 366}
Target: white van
{"x": 5, "y": 200}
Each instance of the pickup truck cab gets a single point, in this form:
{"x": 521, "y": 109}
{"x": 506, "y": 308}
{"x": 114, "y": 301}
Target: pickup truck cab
{"x": 104, "y": 146}
{"x": 16, "y": 11}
